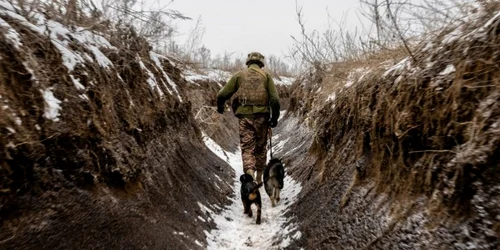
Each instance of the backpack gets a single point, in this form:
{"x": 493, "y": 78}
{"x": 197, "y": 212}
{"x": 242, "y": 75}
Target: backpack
{"x": 252, "y": 90}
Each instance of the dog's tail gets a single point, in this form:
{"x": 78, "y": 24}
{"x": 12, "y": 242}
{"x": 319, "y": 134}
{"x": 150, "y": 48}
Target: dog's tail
{"x": 255, "y": 188}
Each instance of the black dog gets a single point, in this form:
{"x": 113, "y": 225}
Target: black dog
{"x": 274, "y": 173}
{"x": 249, "y": 195}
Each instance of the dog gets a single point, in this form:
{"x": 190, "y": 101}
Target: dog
{"x": 250, "y": 195}
{"x": 274, "y": 173}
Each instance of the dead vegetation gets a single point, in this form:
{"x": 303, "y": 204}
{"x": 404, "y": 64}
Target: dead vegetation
{"x": 426, "y": 127}
{"x": 95, "y": 133}
{"x": 406, "y": 150}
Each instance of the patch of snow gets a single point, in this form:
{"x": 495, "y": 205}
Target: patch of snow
{"x": 331, "y": 97}
{"x": 279, "y": 146}
{"x": 100, "y": 57}
{"x": 18, "y": 121}
{"x": 204, "y": 209}
{"x": 300, "y": 145}
{"x": 448, "y": 70}
{"x": 355, "y": 76}
{"x": 156, "y": 59}
{"x": 233, "y": 226}
{"x": 285, "y": 81}
{"x": 7, "y": 6}
{"x": 218, "y": 75}
{"x": 209, "y": 75}
{"x": 84, "y": 97}
{"x": 198, "y": 243}
{"x": 297, "y": 235}
{"x": 62, "y": 38}
{"x": 37, "y": 127}
{"x": 479, "y": 32}
{"x": 52, "y": 105}
{"x": 11, "y": 130}
{"x": 403, "y": 64}
{"x": 151, "y": 80}
{"x": 430, "y": 64}
{"x": 427, "y": 47}
{"x": 77, "y": 83}
{"x": 10, "y": 33}
{"x": 452, "y": 36}
{"x": 201, "y": 218}
{"x": 22, "y": 20}
{"x": 493, "y": 19}
{"x": 349, "y": 83}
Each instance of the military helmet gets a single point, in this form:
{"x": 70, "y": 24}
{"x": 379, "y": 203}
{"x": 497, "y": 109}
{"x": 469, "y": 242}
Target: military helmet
{"x": 255, "y": 57}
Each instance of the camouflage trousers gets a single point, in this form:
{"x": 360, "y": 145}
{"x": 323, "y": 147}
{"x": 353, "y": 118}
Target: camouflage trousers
{"x": 253, "y": 141}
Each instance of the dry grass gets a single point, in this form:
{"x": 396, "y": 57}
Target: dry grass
{"x": 424, "y": 132}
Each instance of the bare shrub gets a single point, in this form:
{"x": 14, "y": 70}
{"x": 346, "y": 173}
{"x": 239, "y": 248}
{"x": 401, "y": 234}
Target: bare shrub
{"x": 391, "y": 24}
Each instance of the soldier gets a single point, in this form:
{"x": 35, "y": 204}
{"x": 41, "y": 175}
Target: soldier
{"x": 257, "y": 107}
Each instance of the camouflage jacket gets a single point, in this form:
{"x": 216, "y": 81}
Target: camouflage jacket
{"x": 232, "y": 87}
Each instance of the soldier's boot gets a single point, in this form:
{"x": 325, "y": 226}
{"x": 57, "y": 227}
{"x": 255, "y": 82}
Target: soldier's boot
{"x": 251, "y": 172}
{"x": 259, "y": 176}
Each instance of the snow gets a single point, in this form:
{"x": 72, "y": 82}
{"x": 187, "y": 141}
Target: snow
{"x": 100, "y": 57}
{"x": 207, "y": 75}
{"x": 77, "y": 83}
{"x": 151, "y": 80}
{"x": 198, "y": 243}
{"x": 355, "y": 76}
{"x": 201, "y": 218}
{"x": 427, "y": 47}
{"x": 11, "y": 130}
{"x": 403, "y": 64}
{"x": 238, "y": 231}
{"x": 18, "y": 121}
{"x": 448, "y": 70}
{"x": 479, "y": 32}
{"x": 7, "y": 6}
{"x": 452, "y": 36}
{"x": 10, "y": 33}
{"x": 84, "y": 97}
{"x": 491, "y": 21}
{"x": 285, "y": 81}
{"x": 156, "y": 59}
{"x": 331, "y": 97}
{"x": 52, "y": 106}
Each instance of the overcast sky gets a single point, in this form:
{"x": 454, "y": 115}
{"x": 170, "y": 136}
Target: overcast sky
{"x": 242, "y": 26}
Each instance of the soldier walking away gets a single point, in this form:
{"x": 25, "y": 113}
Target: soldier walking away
{"x": 257, "y": 107}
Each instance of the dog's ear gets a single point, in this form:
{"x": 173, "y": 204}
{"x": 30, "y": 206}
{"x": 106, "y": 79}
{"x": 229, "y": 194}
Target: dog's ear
{"x": 242, "y": 178}
{"x": 274, "y": 161}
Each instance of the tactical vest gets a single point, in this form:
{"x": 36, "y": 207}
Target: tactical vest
{"x": 252, "y": 90}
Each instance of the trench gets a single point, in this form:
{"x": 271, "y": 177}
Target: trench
{"x": 279, "y": 228}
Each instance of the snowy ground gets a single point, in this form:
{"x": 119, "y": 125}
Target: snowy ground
{"x": 236, "y": 230}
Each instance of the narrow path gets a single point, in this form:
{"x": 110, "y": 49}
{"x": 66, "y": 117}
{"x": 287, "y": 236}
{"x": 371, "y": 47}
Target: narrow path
{"x": 236, "y": 230}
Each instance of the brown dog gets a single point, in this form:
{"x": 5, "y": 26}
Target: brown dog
{"x": 250, "y": 195}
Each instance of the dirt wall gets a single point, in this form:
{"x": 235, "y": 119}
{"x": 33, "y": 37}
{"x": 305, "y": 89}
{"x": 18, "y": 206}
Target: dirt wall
{"x": 99, "y": 147}
{"x": 404, "y": 156}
